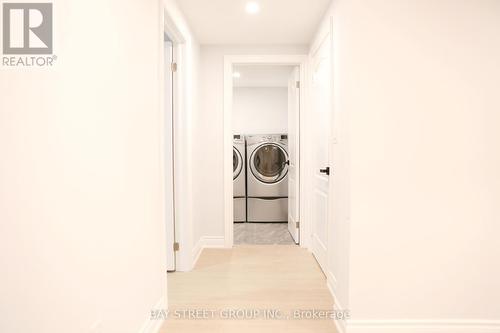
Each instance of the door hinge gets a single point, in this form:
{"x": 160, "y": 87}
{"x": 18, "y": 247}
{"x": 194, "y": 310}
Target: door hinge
{"x": 173, "y": 67}
{"x": 297, "y": 224}
{"x": 297, "y": 84}
{"x": 176, "y": 247}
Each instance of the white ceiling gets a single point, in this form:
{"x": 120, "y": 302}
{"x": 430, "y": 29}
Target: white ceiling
{"x": 262, "y": 76}
{"x": 277, "y": 22}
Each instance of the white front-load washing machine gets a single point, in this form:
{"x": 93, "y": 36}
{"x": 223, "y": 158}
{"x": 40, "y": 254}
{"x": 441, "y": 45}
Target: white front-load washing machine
{"x": 239, "y": 179}
{"x": 267, "y": 180}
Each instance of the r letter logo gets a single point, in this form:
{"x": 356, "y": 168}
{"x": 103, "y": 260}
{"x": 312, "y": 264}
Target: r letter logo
{"x": 27, "y": 28}
{"x": 27, "y": 35}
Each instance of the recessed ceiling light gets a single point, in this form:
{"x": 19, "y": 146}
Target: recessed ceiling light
{"x": 252, "y": 7}
{"x": 236, "y": 75}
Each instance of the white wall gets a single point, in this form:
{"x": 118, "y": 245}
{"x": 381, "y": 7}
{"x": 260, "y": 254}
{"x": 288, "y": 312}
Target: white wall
{"x": 260, "y": 110}
{"x": 81, "y": 225}
{"x": 208, "y": 191}
{"x": 419, "y": 81}
{"x": 260, "y": 76}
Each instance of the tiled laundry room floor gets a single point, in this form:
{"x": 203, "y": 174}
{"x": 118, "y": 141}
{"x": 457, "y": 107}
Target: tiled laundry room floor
{"x": 262, "y": 234}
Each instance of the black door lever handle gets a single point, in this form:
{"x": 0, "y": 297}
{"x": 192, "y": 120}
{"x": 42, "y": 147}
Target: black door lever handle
{"x": 325, "y": 171}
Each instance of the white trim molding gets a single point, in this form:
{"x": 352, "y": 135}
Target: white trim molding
{"x": 423, "y": 326}
{"x": 173, "y": 23}
{"x": 331, "y": 283}
{"x": 206, "y": 242}
{"x": 340, "y": 324}
{"x": 154, "y": 326}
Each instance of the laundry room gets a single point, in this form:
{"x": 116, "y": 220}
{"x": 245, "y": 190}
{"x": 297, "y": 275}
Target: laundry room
{"x": 263, "y": 108}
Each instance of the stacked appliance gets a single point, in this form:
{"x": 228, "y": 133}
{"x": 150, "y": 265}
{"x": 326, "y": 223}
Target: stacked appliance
{"x": 239, "y": 179}
{"x": 267, "y": 181}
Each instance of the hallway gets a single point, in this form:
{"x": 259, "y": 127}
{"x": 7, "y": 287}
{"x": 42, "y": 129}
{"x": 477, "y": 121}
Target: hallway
{"x": 301, "y": 166}
{"x": 260, "y": 277}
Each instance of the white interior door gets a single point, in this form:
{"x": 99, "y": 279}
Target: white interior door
{"x": 169, "y": 156}
{"x": 320, "y": 163}
{"x": 293, "y": 153}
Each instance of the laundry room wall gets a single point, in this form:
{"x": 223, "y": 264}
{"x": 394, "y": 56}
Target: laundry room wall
{"x": 260, "y": 110}
{"x": 208, "y": 191}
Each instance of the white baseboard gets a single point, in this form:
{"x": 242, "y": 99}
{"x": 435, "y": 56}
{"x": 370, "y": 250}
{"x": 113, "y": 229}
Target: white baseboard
{"x": 331, "y": 283}
{"x": 154, "y": 326}
{"x": 423, "y": 326}
{"x": 198, "y": 247}
{"x": 206, "y": 242}
{"x": 213, "y": 241}
{"x": 340, "y": 325}
{"x": 407, "y": 326}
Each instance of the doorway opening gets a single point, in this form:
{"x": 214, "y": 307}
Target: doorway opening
{"x": 261, "y": 153}
{"x": 263, "y": 100}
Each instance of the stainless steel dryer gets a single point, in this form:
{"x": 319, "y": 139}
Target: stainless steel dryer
{"x": 239, "y": 178}
{"x": 267, "y": 181}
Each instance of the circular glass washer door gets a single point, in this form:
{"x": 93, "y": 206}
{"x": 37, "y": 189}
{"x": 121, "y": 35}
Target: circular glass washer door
{"x": 237, "y": 163}
{"x": 268, "y": 163}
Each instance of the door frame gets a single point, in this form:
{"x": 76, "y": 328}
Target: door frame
{"x": 183, "y": 259}
{"x": 169, "y": 161}
{"x": 280, "y": 60}
{"x": 323, "y": 261}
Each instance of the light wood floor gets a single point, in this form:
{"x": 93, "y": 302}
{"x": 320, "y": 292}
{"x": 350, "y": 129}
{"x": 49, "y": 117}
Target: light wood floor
{"x": 250, "y": 277}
